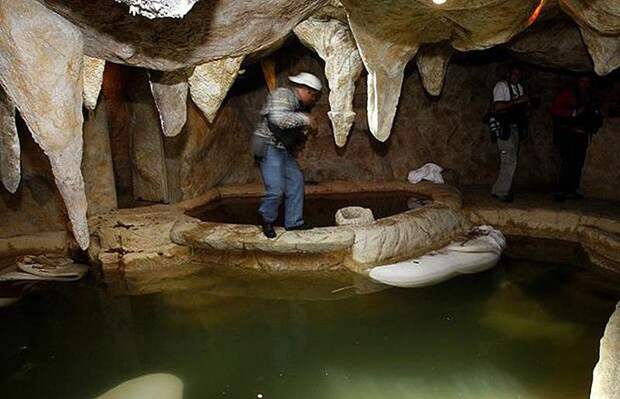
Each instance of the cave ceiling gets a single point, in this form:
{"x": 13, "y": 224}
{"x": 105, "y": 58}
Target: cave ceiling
{"x": 53, "y": 52}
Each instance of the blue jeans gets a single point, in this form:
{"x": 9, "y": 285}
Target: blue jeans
{"x": 283, "y": 180}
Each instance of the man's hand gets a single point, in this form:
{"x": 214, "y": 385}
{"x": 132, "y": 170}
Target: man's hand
{"x": 523, "y": 99}
{"x": 313, "y": 127}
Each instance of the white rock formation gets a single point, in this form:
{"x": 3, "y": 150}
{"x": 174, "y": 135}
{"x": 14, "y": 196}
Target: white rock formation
{"x": 92, "y": 77}
{"x": 333, "y": 42}
{"x": 210, "y": 82}
{"x": 432, "y": 64}
{"x": 151, "y": 386}
{"x": 599, "y": 22}
{"x": 159, "y": 8}
{"x": 385, "y": 63}
{"x": 606, "y": 378}
{"x": 389, "y": 34}
{"x": 9, "y": 145}
{"x": 170, "y": 93}
{"x": 604, "y": 50}
{"x": 41, "y": 70}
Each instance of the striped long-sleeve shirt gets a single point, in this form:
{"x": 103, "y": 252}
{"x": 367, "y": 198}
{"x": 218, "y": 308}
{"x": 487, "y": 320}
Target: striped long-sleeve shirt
{"x": 282, "y": 110}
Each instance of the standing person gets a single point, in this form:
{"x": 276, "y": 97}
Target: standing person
{"x": 276, "y": 141}
{"x": 510, "y": 109}
{"x": 576, "y": 117}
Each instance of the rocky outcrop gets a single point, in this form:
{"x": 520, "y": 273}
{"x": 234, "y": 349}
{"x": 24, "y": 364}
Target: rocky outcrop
{"x": 599, "y": 22}
{"x": 209, "y": 83}
{"x": 333, "y": 42}
{"x": 606, "y": 378}
{"x": 211, "y": 31}
{"x": 389, "y": 34}
{"x": 169, "y": 91}
{"x": 43, "y": 78}
{"x": 10, "y": 171}
{"x": 92, "y": 77}
{"x": 404, "y": 236}
{"x": 159, "y": 8}
{"x": 432, "y": 64}
{"x": 555, "y": 43}
{"x": 594, "y": 225}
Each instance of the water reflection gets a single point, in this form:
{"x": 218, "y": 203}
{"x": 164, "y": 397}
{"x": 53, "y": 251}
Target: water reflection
{"x": 455, "y": 340}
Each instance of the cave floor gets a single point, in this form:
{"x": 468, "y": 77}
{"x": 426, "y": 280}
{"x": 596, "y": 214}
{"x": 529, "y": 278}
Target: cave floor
{"x": 480, "y": 198}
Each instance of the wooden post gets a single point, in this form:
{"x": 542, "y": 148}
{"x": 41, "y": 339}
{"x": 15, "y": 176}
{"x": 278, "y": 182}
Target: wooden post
{"x": 269, "y": 72}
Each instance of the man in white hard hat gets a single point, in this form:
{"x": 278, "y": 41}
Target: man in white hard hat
{"x": 282, "y": 130}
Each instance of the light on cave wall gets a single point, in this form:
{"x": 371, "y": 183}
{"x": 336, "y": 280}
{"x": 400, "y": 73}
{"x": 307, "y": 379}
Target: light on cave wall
{"x": 535, "y": 13}
{"x": 439, "y": 1}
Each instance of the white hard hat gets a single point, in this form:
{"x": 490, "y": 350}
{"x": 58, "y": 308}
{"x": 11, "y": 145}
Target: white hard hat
{"x": 307, "y": 79}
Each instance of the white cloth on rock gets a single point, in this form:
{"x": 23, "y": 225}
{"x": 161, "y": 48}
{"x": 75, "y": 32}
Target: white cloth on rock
{"x": 430, "y": 172}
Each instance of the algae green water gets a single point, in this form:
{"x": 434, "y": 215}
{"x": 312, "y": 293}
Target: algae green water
{"x": 523, "y": 330}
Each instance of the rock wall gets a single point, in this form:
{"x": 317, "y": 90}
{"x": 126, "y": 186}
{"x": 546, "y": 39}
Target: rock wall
{"x": 447, "y": 130}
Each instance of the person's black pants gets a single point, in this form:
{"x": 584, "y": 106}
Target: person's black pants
{"x": 573, "y": 148}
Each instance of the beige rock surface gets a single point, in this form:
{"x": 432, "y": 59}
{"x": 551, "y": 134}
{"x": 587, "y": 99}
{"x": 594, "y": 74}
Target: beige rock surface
{"x": 233, "y": 237}
{"x": 97, "y": 165}
{"x": 112, "y": 34}
{"x": 593, "y": 224}
{"x": 555, "y": 43}
{"x": 10, "y": 169}
{"x": 333, "y": 42}
{"x": 209, "y": 83}
{"x": 44, "y": 80}
{"x": 432, "y": 64}
{"x": 92, "y": 77}
{"x": 599, "y": 21}
{"x": 159, "y": 8}
{"x": 135, "y": 243}
{"x": 405, "y": 235}
{"x": 606, "y": 378}
{"x": 388, "y": 35}
{"x": 169, "y": 91}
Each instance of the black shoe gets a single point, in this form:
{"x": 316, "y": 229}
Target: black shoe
{"x": 505, "y": 198}
{"x": 268, "y": 229}
{"x": 303, "y": 226}
{"x": 559, "y": 197}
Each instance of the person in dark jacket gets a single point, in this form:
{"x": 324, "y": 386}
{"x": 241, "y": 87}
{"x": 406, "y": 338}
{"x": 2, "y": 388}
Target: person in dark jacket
{"x": 576, "y": 117}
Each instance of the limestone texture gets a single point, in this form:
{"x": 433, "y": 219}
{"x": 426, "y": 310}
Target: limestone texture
{"x": 606, "y": 378}
{"x": 432, "y": 64}
{"x": 169, "y": 91}
{"x": 555, "y": 43}
{"x": 405, "y": 235}
{"x": 44, "y": 80}
{"x": 209, "y": 83}
{"x": 10, "y": 169}
{"x": 211, "y": 31}
{"x": 97, "y": 165}
{"x": 159, "y": 8}
{"x": 594, "y": 224}
{"x": 92, "y": 76}
{"x": 333, "y": 42}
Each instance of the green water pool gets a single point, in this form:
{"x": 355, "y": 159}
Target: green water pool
{"x": 523, "y": 330}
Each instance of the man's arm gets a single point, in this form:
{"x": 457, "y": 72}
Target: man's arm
{"x": 281, "y": 111}
{"x": 502, "y": 100}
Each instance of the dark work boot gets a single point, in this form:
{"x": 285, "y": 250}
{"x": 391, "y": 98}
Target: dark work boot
{"x": 303, "y": 226}
{"x": 268, "y": 229}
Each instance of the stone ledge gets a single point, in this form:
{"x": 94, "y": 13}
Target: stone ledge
{"x": 595, "y": 224}
{"x": 32, "y": 244}
{"x": 235, "y": 237}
